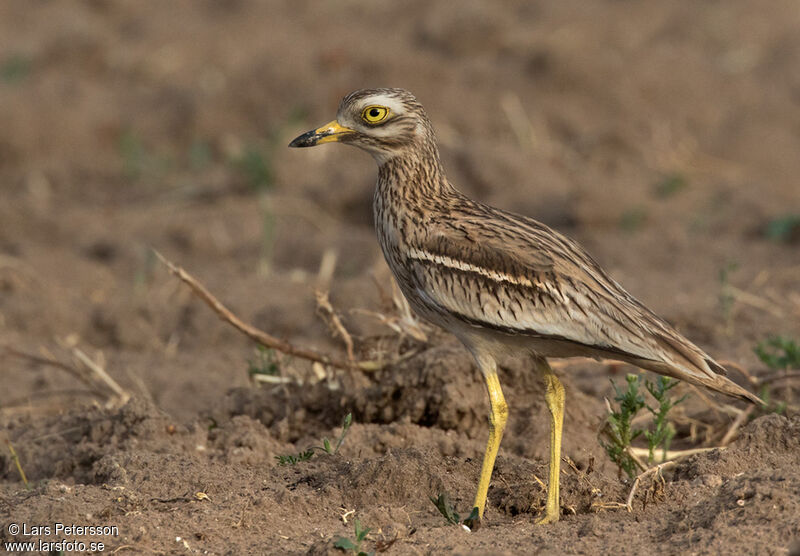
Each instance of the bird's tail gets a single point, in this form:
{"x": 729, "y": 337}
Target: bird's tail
{"x": 685, "y": 361}
{"x": 727, "y": 386}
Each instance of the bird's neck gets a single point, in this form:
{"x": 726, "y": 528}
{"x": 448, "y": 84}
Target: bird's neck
{"x": 413, "y": 176}
{"x": 411, "y": 189}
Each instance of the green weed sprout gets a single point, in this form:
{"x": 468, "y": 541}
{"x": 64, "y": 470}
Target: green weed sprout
{"x": 326, "y": 444}
{"x": 670, "y": 184}
{"x": 633, "y": 219}
{"x": 779, "y": 354}
{"x": 292, "y": 459}
{"x": 446, "y": 508}
{"x": 619, "y": 432}
{"x": 664, "y": 431}
{"x": 265, "y": 363}
{"x": 255, "y": 165}
{"x": 327, "y": 447}
{"x": 448, "y": 511}
{"x": 354, "y": 545}
{"x": 783, "y": 229}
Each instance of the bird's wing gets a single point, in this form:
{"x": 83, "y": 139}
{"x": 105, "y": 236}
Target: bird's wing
{"x": 512, "y": 274}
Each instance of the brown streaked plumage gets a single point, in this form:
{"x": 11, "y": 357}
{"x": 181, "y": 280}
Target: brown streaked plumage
{"x": 499, "y": 281}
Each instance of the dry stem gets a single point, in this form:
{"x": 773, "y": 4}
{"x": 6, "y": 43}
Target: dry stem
{"x": 671, "y": 454}
{"x": 740, "y": 419}
{"x": 251, "y": 332}
{"x": 269, "y": 341}
{"x": 88, "y": 372}
{"x": 652, "y": 470}
{"x": 15, "y": 457}
{"x": 105, "y": 378}
{"x": 325, "y": 307}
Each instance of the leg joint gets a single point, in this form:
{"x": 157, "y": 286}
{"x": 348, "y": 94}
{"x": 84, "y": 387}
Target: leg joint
{"x": 554, "y": 393}
{"x": 554, "y": 387}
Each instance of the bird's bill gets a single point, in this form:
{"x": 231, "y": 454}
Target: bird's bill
{"x": 329, "y": 133}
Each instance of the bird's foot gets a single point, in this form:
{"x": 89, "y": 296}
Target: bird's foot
{"x": 474, "y": 520}
{"x": 548, "y": 517}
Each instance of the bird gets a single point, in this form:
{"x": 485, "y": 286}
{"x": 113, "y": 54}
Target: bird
{"x": 504, "y": 284}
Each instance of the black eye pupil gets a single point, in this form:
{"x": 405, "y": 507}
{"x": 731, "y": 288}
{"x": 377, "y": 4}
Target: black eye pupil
{"x": 374, "y": 112}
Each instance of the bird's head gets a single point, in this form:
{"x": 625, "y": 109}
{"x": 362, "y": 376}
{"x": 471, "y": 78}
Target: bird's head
{"x": 384, "y": 122}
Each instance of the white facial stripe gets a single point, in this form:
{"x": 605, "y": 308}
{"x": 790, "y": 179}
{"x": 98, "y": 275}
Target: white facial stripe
{"x": 449, "y": 262}
{"x": 353, "y": 119}
{"x": 381, "y": 100}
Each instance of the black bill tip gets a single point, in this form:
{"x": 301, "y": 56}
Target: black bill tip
{"x": 308, "y": 139}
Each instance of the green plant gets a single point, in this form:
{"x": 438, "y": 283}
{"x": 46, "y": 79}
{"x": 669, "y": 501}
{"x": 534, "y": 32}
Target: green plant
{"x": 783, "y": 229}
{"x": 670, "y": 184}
{"x": 327, "y": 447}
{"x": 199, "y": 156}
{"x": 448, "y": 511}
{"x": 446, "y": 508}
{"x": 256, "y": 166}
{"x": 779, "y": 353}
{"x": 265, "y": 363}
{"x": 633, "y": 219}
{"x": 771, "y": 405}
{"x": 618, "y": 429}
{"x": 663, "y": 432}
{"x": 293, "y": 459}
{"x": 354, "y": 545}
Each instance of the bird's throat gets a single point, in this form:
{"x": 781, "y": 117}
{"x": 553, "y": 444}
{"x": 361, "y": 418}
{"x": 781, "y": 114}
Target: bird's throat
{"x": 412, "y": 177}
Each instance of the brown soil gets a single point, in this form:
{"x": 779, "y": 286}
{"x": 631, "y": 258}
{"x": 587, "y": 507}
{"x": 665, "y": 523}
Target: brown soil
{"x": 661, "y": 135}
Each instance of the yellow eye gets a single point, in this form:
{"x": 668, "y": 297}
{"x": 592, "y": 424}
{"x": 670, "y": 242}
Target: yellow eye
{"x": 374, "y": 114}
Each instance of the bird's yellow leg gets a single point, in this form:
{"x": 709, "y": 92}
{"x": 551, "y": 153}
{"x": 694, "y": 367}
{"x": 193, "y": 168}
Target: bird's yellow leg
{"x": 554, "y": 396}
{"x": 498, "y": 415}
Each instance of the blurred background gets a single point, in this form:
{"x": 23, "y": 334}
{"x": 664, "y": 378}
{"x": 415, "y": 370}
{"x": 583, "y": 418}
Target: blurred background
{"x": 664, "y": 136}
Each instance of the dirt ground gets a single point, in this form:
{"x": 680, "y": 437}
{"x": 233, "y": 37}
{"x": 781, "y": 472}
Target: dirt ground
{"x": 664, "y": 136}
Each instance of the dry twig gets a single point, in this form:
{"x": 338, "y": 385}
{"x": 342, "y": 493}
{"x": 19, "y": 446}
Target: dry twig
{"x": 781, "y": 376}
{"x": 672, "y": 454}
{"x": 15, "y": 457}
{"x": 656, "y": 469}
{"x": 87, "y": 371}
{"x": 740, "y": 419}
{"x": 101, "y": 373}
{"x": 251, "y": 332}
{"x": 269, "y": 341}
{"x": 324, "y": 306}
